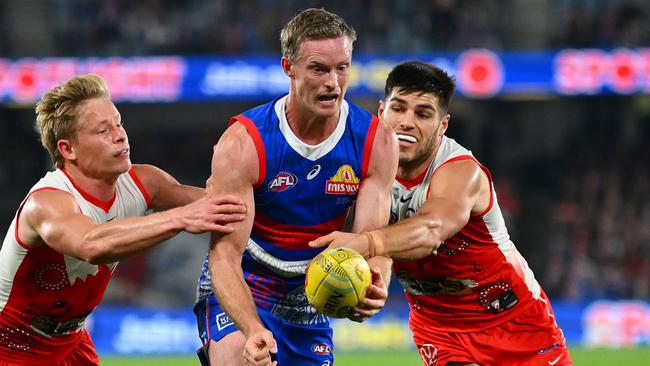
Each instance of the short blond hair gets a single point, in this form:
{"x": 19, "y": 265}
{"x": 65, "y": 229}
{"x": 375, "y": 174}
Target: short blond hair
{"x": 57, "y": 113}
{"x": 312, "y": 24}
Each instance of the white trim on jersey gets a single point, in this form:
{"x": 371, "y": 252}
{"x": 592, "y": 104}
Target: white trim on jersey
{"x": 279, "y": 266}
{"x": 310, "y": 152}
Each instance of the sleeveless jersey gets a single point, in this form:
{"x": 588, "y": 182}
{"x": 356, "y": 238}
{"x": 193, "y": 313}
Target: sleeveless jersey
{"x": 303, "y": 192}
{"x": 45, "y": 296}
{"x": 477, "y": 279}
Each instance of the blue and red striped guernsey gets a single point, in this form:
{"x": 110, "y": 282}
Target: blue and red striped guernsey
{"x": 303, "y": 192}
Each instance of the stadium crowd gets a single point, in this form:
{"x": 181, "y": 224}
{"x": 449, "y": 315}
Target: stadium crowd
{"x": 599, "y": 237}
{"x": 191, "y": 27}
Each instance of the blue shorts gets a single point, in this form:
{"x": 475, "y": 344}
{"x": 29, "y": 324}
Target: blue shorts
{"x": 298, "y": 345}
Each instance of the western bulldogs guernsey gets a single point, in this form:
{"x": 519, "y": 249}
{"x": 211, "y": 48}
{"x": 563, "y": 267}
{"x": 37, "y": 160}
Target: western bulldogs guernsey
{"x": 303, "y": 192}
{"x": 45, "y": 296}
{"x": 477, "y": 279}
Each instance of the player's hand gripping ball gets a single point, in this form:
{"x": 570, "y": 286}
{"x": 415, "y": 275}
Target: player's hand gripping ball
{"x": 336, "y": 281}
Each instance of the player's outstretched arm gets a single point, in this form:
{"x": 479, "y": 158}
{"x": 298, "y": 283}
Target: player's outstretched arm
{"x": 235, "y": 170}
{"x": 164, "y": 191}
{"x": 373, "y": 200}
{"x": 52, "y": 217}
{"x": 453, "y": 194}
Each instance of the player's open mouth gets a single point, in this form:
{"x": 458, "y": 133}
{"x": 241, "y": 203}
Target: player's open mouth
{"x": 123, "y": 152}
{"x": 328, "y": 98}
{"x": 407, "y": 138}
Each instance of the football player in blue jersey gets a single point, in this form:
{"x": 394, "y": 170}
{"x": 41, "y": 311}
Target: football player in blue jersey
{"x": 301, "y": 163}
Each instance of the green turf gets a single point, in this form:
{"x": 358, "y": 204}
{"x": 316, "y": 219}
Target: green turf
{"x": 618, "y": 357}
{"x": 342, "y": 359}
{"x": 581, "y": 357}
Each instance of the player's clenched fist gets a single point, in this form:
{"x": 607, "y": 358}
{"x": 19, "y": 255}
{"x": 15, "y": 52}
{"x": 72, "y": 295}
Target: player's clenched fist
{"x": 259, "y": 349}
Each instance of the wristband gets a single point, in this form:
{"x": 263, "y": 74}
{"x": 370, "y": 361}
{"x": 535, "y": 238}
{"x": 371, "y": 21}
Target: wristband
{"x": 376, "y": 245}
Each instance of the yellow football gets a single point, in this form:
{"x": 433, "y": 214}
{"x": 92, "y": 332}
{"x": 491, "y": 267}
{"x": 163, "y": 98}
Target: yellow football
{"x": 336, "y": 281}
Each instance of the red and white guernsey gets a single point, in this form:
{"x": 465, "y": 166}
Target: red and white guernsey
{"x": 45, "y": 296}
{"x": 477, "y": 279}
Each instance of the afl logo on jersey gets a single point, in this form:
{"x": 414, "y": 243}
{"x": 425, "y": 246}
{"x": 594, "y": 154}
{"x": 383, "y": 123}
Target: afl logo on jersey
{"x": 344, "y": 182}
{"x": 321, "y": 348}
{"x": 282, "y": 182}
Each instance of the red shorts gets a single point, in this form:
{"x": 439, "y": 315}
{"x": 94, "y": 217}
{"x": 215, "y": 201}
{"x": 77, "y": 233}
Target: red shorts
{"x": 83, "y": 354}
{"x": 530, "y": 339}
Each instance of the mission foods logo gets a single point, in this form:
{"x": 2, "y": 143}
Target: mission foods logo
{"x": 344, "y": 182}
{"x": 282, "y": 182}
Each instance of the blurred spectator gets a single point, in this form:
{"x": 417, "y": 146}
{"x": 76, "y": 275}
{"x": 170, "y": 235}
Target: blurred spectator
{"x": 600, "y": 24}
{"x": 599, "y": 227}
{"x": 194, "y": 27}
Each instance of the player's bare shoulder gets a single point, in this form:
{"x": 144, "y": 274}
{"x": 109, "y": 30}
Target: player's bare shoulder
{"x": 236, "y": 156}
{"x": 463, "y": 179}
{"x": 236, "y": 138}
{"x": 49, "y": 203}
{"x": 42, "y": 208}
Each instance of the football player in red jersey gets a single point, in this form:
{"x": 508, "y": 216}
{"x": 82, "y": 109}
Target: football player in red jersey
{"x": 79, "y": 220}
{"x": 473, "y": 299}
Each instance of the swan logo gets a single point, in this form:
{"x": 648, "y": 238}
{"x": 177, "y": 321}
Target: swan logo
{"x": 429, "y": 354}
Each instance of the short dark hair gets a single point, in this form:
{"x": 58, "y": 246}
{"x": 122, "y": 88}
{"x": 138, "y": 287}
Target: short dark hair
{"x": 416, "y": 76}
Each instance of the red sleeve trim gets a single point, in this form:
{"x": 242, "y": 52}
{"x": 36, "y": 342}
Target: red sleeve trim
{"x": 485, "y": 169}
{"x": 140, "y": 186}
{"x": 457, "y": 158}
{"x": 259, "y": 145}
{"x": 20, "y": 209}
{"x": 489, "y": 175}
{"x": 367, "y": 149}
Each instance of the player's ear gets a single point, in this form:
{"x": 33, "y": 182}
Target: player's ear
{"x": 287, "y": 67}
{"x": 382, "y": 107}
{"x": 444, "y": 124}
{"x": 66, "y": 149}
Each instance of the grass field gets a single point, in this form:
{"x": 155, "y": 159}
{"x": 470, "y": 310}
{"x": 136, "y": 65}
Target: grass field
{"x": 581, "y": 357}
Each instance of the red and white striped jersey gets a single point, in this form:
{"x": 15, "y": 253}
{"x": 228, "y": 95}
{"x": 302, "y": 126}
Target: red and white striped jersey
{"x": 45, "y": 296}
{"x": 477, "y": 279}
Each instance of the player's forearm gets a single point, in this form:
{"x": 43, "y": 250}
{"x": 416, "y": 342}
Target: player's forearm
{"x": 372, "y": 209}
{"x": 412, "y": 239}
{"x": 234, "y": 295}
{"x": 116, "y": 240}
